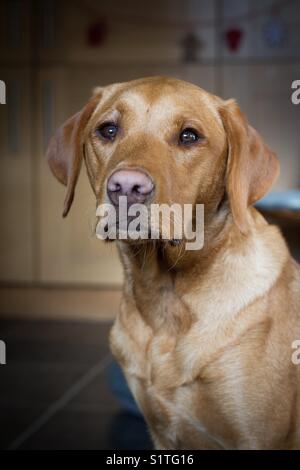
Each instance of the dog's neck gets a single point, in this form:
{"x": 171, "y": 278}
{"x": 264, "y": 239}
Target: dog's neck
{"x": 155, "y": 260}
{"x": 159, "y": 276}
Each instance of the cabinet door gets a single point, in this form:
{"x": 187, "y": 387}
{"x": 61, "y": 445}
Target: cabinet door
{"x": 16, "y": 27}
{"x": 69, "y": 252}
{"x": 264, "y": 94}
{"x": 17, "y": 232}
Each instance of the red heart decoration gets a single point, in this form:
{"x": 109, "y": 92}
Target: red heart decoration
{"x": 233, "y": 38}
{"x": 97, "y": 33}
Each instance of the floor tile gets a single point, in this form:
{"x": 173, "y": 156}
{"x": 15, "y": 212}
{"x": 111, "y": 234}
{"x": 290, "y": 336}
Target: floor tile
{"x": 87, "y": 430}
{"x": 44, "y": 361}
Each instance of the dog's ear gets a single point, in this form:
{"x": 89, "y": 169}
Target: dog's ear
{"x": 65, "y": 150}
{"x": 252, "y": 167}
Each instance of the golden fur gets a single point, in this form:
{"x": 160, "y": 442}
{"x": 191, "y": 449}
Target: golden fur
{"x": 204, "y": 338}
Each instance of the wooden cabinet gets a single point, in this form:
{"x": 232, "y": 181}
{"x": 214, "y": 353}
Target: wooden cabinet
{"x": 16, "y": 178}
{"x": 264, "y": 94}
{"x": 50, "y": 71}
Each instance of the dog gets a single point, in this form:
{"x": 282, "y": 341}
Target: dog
{"x": 205, "y": 338}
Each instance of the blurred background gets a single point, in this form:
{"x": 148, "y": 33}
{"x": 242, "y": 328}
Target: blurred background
{"x": 59, "y": 286}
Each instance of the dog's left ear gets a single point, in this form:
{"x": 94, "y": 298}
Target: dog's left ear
{"x": 65, "y": 150}
{"x": 252, "y": 167}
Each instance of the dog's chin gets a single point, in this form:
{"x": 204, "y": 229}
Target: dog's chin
{"x": 143, "y": 236}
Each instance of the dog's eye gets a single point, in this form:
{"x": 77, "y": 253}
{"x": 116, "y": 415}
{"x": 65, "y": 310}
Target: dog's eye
{"x": 107, "y": 131}
{"x": 188, "y": 136}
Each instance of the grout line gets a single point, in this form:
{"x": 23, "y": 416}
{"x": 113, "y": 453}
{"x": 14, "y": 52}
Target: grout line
{"x": 61, "y": 403}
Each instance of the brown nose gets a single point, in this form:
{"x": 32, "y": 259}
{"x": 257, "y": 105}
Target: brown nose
{"x": 134, "y": 184}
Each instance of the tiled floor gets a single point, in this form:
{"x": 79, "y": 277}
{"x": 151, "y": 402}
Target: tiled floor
{"x": 54, "y": 392}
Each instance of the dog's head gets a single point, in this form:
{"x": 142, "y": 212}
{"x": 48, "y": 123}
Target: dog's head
{"x": 162, "y": 140}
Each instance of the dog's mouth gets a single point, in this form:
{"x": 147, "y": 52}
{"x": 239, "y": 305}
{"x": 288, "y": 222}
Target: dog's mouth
{"x": 132, "y": 229}
{"x": 140, "y": 223}
{"x": 140, "y": 235}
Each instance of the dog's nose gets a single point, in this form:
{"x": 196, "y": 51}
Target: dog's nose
{"x": 134, "y": 184}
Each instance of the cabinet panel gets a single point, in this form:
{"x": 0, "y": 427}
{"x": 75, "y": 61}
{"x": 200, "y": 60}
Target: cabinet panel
{"x": 16, "y": 236}
{"x": 264, "y": 93}
{"x": 16, "y": 22}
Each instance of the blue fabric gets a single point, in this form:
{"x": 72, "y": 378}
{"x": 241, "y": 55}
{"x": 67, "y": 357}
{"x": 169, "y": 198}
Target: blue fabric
{"x": 289, "y": 200}
{"x": 118, "y": 385}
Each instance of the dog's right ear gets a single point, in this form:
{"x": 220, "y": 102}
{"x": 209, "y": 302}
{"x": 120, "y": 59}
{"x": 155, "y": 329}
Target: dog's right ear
{"x": 65, "y": 150}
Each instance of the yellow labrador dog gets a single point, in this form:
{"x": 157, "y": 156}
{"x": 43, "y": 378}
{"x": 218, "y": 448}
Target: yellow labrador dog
{"x": 206, "y": 337}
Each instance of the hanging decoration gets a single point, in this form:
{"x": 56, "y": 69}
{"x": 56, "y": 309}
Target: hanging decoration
{"x": 233, "y": 38}
{"x": 97, "y": 33}
{"x": 275, "y": 32}
{"x": 191, "y": 46}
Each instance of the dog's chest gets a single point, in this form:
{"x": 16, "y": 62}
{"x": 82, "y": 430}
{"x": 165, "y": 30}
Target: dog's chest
{"x": 170, "y": 400}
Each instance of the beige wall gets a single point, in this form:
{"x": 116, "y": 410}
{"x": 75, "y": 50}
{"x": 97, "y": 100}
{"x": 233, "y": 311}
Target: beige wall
{"x": 36, "y": 244}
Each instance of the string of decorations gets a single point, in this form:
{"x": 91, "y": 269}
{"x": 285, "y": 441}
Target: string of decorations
{"x": 274, "y": 32}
